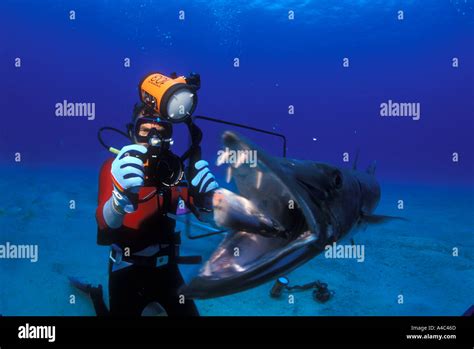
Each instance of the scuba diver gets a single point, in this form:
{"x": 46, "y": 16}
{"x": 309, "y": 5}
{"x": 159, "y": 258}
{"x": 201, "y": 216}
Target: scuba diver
{"x": 137, "y": 189}
{"x": 139, "y": 193}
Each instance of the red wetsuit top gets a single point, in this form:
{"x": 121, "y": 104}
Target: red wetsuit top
{"x": 148, "y": 225}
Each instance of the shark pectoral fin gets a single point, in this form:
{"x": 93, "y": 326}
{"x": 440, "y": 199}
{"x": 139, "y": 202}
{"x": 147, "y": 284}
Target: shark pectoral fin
{"x": 379, "y": 219}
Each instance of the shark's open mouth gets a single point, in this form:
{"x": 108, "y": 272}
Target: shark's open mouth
{"x": 273, "y": 223}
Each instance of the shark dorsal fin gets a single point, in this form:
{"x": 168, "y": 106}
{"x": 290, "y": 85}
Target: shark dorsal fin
{"x": 354, "y": 165}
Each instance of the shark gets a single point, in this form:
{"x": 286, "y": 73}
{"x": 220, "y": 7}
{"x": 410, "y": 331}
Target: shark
{"x": 284, "y": 213}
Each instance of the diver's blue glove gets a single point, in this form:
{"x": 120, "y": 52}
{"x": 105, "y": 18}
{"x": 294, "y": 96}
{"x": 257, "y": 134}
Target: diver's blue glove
{"x": 127, "y": 176}
{"x": 204, "y": 181}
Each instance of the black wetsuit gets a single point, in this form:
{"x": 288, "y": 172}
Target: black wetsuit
{"x": 132, "y": 288}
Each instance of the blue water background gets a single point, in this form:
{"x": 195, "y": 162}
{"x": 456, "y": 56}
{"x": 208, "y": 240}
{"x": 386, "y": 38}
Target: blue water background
{"x": 282, "y": 63}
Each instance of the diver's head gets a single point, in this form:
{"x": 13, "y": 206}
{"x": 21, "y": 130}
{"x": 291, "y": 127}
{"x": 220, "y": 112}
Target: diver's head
{"x": 148, "y": 129}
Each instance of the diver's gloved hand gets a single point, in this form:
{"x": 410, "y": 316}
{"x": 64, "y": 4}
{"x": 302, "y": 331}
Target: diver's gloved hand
{"x": 128, "y": 177}
{"x": 204, "y": 181}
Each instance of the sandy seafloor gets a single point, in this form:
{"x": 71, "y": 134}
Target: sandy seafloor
{"x": 413, "y": 257}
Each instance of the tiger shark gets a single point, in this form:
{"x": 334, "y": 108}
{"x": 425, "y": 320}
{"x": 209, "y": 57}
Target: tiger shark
{"x": 285, "y": 212}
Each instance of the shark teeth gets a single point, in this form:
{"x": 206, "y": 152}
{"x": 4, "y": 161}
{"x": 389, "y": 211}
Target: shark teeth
{"x": 259, "y": 179}
{"x": 228, "y": 176}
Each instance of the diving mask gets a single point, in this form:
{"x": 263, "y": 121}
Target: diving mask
{"x": 154, "y": 131}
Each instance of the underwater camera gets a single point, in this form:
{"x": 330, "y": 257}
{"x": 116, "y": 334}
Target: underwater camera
{"x": 163, "y": 169}
{"x": 167, "y": 101}
{"x": 161, "y": 166}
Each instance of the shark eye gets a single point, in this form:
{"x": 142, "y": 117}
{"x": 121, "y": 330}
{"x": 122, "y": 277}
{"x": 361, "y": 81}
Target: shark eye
{"x": 337, "y": 180}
